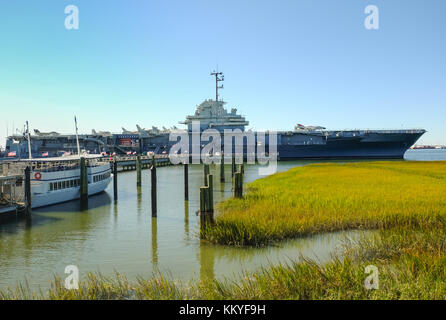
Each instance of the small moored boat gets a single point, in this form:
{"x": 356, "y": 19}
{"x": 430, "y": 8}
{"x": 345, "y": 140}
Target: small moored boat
{"x": 56, "y": 180}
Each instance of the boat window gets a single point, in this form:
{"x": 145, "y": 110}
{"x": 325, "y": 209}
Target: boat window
{"x": 51, "y": 186}
{"x": 59, "y": 185}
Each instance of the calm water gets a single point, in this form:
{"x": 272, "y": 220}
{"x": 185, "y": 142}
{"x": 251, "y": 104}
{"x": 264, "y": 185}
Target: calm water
{"x": 124, "y": 237}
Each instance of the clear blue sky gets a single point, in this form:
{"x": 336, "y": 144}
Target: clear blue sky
{"x": 285, "y": 62}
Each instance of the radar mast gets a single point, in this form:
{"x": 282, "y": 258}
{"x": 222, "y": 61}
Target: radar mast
{"x": 218, "y": 78}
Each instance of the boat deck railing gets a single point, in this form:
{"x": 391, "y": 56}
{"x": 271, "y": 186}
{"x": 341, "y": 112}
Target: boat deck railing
{"x": 18, "y": 167}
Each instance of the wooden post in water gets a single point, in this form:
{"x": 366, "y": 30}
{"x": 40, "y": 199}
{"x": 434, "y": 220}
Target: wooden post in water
{"x": 210, "y": 197}
{"x": 115, "y": 179}
{"x": 241, "y": 181}
{"x": 238, "y": 185}
{"x": 206, "y": 204}
{"x": 28, "y": 191}
{"x": 153, "y": 185}
{"x": 138, "y": 171}
{"x": 186, "y": 181}
{"x": 233, "y": 165}
{"x": 203, "y": 191}
{"x": 222, "y": 168}
{"x": 206, "y": 172}
{"x": 84, "y": 184}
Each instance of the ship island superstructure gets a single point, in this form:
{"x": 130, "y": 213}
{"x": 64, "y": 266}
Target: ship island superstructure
{"x": 212, "y": 115}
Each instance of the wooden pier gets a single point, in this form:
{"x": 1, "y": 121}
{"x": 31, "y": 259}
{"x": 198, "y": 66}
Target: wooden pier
{"x": 131, "y": 163}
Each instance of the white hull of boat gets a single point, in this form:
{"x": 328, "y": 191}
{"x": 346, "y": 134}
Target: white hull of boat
{"x": 42, "y": 195}
{"x": 58, "y": 196}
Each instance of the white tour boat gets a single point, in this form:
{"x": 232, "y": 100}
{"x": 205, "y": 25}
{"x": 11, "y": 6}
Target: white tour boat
{"x": 56, "y": 180}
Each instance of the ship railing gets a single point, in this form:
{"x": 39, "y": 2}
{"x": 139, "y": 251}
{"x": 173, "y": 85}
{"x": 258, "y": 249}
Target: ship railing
{"x": 133, "y": 158}
{"x": 368, "y": 131}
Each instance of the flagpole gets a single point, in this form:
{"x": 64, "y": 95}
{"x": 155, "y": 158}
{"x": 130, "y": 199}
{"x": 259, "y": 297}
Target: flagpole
{"x": 29, "y": 141}
{"x": 77, "y": 138}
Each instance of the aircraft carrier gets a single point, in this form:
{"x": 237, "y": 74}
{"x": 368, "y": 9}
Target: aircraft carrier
{"x": 303, "y": 142}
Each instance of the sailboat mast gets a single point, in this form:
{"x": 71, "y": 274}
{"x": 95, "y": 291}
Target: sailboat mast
{"x": 77, "y": 138}
{"x": 30, "y": 156}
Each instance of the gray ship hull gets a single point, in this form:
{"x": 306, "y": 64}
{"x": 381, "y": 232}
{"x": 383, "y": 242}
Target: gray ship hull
{"x": 352, "y": 145}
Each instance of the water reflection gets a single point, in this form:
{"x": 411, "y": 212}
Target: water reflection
{"x": 94, "y": 202}
{"x": 155, "y": 243}
{"x": 186, "y": 219}
{"x": 207, "y": 262}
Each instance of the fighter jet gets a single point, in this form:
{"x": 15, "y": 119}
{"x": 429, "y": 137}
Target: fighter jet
{"x": 313, "y": 128}
{"x": 40, "y": 134}
{"x": 308, "y": 128}
{"x": 125, "y": 131}
{"x": 142, "y": 132}
{"x": 101, "y": 133}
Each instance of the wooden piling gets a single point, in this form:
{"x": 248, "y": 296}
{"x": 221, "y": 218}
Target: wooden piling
{"x": 206, "y": 205}
{"x": 235, "y": 184}
{"x": 210, "y": 197}
{"x": 238, "y": 185}
{"x": 153, "y": 186}
{"x": 115, "y": 179}
{"x": 222, "y": 168}
{"x": 206, "y": 172}
{"x": 241, "y": 183}
{"x": 241, "y": 169}
{"x": 28, "y": 201}
{"x": 233, "y": 165}
{"x": 186, "y": 181}
{"x": 203, "y": 192}
{"x": 83, "y": 183}
{"x": 138, "y": 171}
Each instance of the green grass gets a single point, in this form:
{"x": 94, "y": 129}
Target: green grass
{"x": 331, "y": 197}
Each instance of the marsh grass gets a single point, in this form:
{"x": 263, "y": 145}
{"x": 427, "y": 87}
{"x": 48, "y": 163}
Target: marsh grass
{"x": 331, "y": 197}
{"x": 403, "y": 200}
